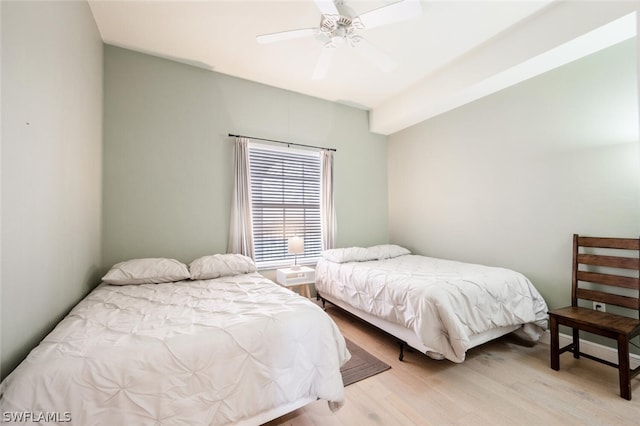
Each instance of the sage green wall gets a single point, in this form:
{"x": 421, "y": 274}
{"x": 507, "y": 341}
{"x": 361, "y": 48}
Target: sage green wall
{"x": 508, "y": 179}
{"x": 51, "y": 167}
{"x": 168, "y": 157}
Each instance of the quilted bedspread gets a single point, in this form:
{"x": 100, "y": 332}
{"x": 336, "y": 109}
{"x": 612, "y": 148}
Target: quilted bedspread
{"x": 209, "y": 352}
{"x": 444, "y": 302}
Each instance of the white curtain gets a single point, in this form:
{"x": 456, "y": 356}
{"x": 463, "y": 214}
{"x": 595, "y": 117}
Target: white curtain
{"x": 327, "y": 206}
{"x": 240, "y": 224}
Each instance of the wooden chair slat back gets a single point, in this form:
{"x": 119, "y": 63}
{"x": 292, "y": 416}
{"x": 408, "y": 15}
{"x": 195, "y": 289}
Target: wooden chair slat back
{"x": 613, "y": 243}
{"x": 608, "y": 298}
{"x": 609, "y": 261}
{"x": 608, "y": 279}
{"x": 588, "y": 270}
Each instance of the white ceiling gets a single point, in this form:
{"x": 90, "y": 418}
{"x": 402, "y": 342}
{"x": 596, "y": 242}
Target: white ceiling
{"x": 468, "y": 41}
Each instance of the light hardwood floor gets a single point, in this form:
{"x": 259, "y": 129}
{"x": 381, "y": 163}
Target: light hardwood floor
{"x": 500, "y": 383}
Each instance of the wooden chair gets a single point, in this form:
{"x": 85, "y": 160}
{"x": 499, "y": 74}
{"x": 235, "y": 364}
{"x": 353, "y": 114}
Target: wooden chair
{"x": 610, "y": 286}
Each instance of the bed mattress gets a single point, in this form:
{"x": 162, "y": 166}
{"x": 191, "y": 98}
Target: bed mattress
{"x": 214, "y": 352}
{"x": 444, "y": 303}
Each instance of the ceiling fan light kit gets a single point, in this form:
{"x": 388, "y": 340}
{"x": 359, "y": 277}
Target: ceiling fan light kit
{"x": 338, "y": 29}
{"x": 339, "y": 25}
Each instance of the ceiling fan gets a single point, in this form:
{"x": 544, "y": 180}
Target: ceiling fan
{"x": 339, "y": 25}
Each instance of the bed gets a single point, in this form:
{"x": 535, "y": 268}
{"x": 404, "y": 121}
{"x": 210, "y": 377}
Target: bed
{"x": 439, "y": 307}
{"x": 217, "y": 344}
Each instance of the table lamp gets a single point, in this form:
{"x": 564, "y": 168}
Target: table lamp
{"x": 295, "y": 246}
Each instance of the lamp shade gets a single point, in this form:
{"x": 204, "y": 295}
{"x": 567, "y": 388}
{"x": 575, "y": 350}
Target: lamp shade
{"x": 295, "y": 245}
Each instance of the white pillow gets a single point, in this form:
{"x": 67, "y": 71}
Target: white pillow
{"x": 347, "y": 254}
{"x": 221, "y": 265}
{"x": 146, "y": 271}
{"x": 361, "y": 254}
{"x": 387, "y": 251}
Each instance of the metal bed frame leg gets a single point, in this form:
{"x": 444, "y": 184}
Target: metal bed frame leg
{"x": 319, "y": 297}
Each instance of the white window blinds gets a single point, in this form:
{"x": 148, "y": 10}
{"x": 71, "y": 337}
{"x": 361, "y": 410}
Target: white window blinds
{"x": 285, "y": 202}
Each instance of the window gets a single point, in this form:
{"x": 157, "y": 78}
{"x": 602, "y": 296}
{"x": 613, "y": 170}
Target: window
{"x": 285, "y": 202}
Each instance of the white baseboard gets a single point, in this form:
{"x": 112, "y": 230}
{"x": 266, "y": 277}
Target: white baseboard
{"x": 595, "y": 349}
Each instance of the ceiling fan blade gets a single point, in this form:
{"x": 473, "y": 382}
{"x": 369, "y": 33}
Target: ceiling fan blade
{"x": 327, "y": 7}
{"x": 375, "y": 55}
{"x": 323, "y": 63}
{"x": 286, "y": 35}
{"x": 392, "y": 13}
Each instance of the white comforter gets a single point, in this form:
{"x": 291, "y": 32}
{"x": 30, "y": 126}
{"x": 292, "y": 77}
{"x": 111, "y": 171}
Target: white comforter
{"x": 444, "y": 302}
{"x": 192, "y": 352}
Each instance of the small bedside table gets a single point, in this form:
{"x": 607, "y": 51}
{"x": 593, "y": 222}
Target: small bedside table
{"x": 301, "y": 277}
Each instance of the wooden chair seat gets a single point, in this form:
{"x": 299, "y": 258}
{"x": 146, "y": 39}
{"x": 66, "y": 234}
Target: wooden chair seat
{"x": 600, "y": 277}
{"x": 601, "y": 323}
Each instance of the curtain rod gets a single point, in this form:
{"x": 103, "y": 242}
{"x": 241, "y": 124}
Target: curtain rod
{"x": 286, "y": 143}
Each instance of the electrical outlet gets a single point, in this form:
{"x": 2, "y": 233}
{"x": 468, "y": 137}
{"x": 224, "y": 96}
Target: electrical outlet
{"x": 599, "y": 306}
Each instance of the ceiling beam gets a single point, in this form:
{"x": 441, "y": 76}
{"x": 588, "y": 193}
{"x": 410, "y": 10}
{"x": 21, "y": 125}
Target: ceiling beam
{"x": 558, "y": 34}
